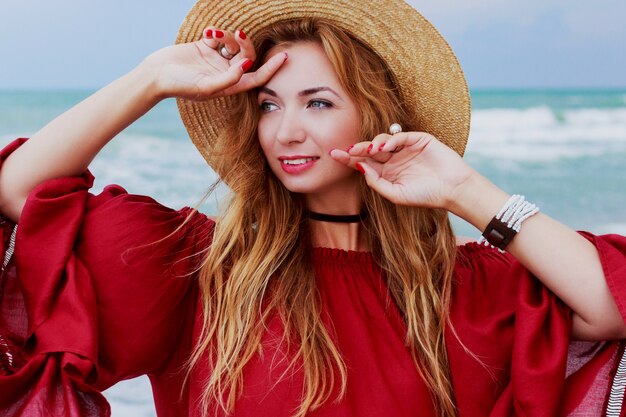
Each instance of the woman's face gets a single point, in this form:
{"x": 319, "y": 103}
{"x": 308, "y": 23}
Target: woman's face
{"x": 304, "y": 114}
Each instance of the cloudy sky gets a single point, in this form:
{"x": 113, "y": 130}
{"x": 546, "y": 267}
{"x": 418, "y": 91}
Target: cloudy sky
{"x": 500, "y": 43}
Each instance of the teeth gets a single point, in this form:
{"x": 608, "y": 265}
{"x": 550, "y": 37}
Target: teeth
{"x": 298, "y": 161}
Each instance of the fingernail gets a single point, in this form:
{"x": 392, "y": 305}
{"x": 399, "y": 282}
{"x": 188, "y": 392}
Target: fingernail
{"x": 246, "y": 65}
{"x": 208, "y": 33}
{"x": 331, "y": 150}
{"x": 242, "y": 35}
{"x": 286, "y": 56}
{"x": 219, "y": 34}
{"x": 349, "y": 147}
{"x": 360, "y": 168}
{"x": 370, "y": 148}
{"x": 380, "y": 148}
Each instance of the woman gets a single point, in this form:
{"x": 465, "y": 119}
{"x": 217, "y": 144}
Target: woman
{"x": 320, "y": 290}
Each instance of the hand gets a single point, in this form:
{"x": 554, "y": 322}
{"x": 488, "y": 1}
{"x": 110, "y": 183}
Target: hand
{"x": 198, "y": 71}
{"x": 409, "y": 168}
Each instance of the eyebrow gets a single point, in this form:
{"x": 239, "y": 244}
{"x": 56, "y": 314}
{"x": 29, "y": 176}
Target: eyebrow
{"x": 303, "y": 93}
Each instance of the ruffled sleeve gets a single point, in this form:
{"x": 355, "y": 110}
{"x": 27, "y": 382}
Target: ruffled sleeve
{"x": 517, "y": 333}
{"x": 510, "y": 332}
{"x": 107, "y": 288}
{"x": 596, "y": 374}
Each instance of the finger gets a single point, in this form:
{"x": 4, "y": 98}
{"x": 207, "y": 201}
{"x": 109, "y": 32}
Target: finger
{"x": 266, "y": 71}
{"x": 375, "y": 181}
{"x": 416, "y": 140}
{"x": 261, "y": 76}
{"x": 377, "y": 143}
{"x": 246, "y": 47}
{"x": 366, "y": 149}
{"x": 369, "y": 148}
{"x": 345, "y": 158}
{"x": 359, "y": 148}
{"x": 228, "y": 40}
{"x": 207, "y": 38}
{"x": 393, "y": 143}
{"x": 221, "y": 83}
{"x": 380, "y": 151}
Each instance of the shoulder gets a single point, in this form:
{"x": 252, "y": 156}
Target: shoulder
{"x": 125, "y": 229}
{"x": 115, "y": 207}
{"x": 484, "y": 273}
{"x": 474, "y": 256}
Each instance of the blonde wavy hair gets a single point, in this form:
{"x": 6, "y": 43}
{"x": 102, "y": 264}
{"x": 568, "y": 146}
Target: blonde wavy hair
{"x": 259, "y": 263}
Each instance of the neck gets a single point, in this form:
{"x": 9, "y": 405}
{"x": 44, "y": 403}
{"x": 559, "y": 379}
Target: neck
{"x": 340, "y": 235}
{"x": 347, "y": 236}
{"x": 337, "y": 218}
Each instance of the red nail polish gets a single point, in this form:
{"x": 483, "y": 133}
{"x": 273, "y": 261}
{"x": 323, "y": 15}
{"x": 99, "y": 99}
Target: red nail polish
{"x": 246, "y": 65}
{"x": 208, "y": 33}
{"x": 349, "y": 147}
{"x": 360, "y": 168}
{"x": 242, "y": 35}
{"x": 370, "y": 148}
{"x": 380, "y": 148}
{"x": 219, "y": 34}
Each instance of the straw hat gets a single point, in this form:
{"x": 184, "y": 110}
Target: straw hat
{"x": 426, "y": 70}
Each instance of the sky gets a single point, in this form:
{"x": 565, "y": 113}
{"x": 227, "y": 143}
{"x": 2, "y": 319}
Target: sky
{"x": 506, "y": 44}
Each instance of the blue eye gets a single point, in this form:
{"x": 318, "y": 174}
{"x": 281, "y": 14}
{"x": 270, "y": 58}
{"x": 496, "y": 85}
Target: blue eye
{"x": 320, "y": 104}
{"x": 266, "y": 107}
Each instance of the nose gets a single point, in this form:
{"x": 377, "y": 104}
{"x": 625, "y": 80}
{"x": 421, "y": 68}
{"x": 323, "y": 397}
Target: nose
{"x": 290, "y": 130}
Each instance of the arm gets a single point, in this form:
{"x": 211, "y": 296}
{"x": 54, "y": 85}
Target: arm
{"x": 563, "y": 260}
{"x": 427, "y": 173}
{"x": 69, "y": 143}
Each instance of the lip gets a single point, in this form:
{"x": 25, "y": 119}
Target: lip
{"x": 296, "y": 169}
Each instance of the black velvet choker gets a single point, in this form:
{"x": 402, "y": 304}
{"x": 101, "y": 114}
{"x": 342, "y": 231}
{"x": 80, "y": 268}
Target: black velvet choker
{"x": 337, "y": 218}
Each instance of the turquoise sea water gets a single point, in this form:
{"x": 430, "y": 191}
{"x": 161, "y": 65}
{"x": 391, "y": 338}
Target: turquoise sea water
{"x": 557, "y": 100}
{"x": 564, "y": 149}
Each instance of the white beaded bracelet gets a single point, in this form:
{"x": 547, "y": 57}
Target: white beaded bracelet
{"x": 505, "y": 225}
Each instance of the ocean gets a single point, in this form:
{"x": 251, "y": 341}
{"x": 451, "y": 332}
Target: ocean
{"x": 565, "y": 150}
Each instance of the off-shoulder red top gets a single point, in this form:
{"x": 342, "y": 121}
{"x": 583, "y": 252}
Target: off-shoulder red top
{"x": 85, "y": 304}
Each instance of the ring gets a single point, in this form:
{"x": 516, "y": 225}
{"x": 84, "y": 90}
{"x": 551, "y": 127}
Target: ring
{"x": 225, "y": 52}
{"x": 395, "y": 128}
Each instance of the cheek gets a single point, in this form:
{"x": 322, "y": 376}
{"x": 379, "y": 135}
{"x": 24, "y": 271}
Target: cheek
{"x": 263, "y": 137}
{"x": 357, "y": 125}
{"x": 349, "y": 131}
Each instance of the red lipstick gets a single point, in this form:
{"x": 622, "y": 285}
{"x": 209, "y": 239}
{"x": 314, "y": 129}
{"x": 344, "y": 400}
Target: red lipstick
{"x": 296, "y": 164}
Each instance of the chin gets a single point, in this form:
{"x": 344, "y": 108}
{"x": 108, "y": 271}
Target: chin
{"x": 330, "y": 186}
{"x": 314, "y": 183}
{"x": 294, "y": 184}
{"x": 300, "y": 188}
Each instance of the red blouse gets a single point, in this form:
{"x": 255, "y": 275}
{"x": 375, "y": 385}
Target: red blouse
{"x": 87, "y": 301}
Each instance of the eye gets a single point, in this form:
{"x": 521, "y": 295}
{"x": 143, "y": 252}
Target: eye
{"x": 267, "y": 107}
{"x": 320, "y": 104}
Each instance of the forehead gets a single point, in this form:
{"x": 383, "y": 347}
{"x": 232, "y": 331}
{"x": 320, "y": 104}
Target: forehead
{"x": 307, "y": 66}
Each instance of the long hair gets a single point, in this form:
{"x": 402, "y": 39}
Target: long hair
{"x": 259, "y": 262}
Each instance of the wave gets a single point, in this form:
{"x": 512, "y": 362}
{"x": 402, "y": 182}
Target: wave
{"x": 541, "y": 133}
{"x": 170, "y": 170}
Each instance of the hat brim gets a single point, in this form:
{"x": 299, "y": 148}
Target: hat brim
{"x": 428, "y": 74}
